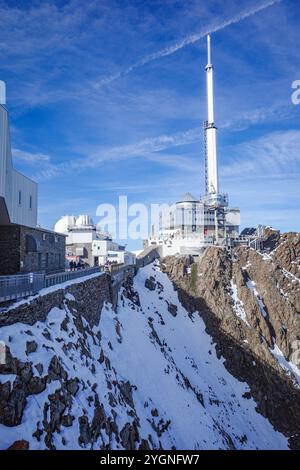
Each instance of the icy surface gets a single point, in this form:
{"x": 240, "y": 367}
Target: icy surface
{"x": 252, "y": 286}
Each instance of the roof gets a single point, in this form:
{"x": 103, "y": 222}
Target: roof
{"x": 248, "y": 231}
{"x": 188, "y": 197}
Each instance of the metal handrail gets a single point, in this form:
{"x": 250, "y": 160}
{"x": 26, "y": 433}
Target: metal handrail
{"x": 21, "y": 285}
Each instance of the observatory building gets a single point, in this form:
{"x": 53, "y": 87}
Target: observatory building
{"x": 191, "y": 224}
{"x": 89, "y": 246}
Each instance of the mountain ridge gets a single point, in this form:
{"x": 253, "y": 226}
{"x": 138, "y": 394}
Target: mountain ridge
{"x": 177, "y": 365}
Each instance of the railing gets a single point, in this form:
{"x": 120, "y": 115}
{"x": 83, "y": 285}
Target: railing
{"x": 119, "y": 272}
{"x": 21, "y": 285}
{"x": 59, "y": 278}
{"x": 117, "y": 268}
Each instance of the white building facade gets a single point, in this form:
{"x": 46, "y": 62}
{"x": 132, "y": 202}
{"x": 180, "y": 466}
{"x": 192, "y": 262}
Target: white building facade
{"x": 18, "y": 194}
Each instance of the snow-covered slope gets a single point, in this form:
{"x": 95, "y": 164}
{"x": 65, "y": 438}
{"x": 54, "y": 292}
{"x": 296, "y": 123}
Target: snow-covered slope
{"x": 145, "y": 377}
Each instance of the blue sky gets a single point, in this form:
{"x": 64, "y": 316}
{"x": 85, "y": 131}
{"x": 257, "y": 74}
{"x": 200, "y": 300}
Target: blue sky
{"x": 107, "y": 97}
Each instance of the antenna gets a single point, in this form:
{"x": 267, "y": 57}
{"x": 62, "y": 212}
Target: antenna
{"x": 208, "y": 50}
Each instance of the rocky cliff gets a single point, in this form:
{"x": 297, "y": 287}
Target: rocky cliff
{"x": 250, "y": 303}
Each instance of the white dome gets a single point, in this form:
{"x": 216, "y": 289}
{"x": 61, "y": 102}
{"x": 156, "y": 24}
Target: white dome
{"x": 84, "y": 220}
{"x": 188, "y": 198}
{"x": 64, "y": 224}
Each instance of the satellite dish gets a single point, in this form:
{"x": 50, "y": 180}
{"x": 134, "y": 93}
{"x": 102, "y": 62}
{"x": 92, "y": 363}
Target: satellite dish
{"x": 2, "y": 92}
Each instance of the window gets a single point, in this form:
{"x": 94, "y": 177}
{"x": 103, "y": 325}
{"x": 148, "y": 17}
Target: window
{"x": 30, "y": 202}
{"x": 31, "y": 244}
{"x": 20, "y": 197}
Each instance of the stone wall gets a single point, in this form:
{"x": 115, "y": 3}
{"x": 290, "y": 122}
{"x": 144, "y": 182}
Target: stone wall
{"x": 44, "y": 253}
{"x": 89, "y": 296}
{"x": 9, "y": 249}
{"x": 50, "y": 256}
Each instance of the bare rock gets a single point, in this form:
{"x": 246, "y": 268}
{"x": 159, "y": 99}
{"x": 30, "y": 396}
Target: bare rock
{"x": 73, "y": 386}
{"x": 55, "y": 370}
{"x": 84, "y": 430}
{"x": 31, "y": 347}
{"x": 129, "y": 436}
{"x": 36, "y": 385}
{"x": 67, "y": 420}
{"x": 19, "y": 445}
{"x": 150, "y": 283}
{"x": 172, "y": 309}
{"x": 126, "y": 391}
{"x": 40, "y": 368}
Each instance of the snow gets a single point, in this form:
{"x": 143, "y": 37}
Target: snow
{"x": 171, "y": 362}
{"x": 265, "y": 256}
{"x": 252, "y": 286}
{"x": 137, "y": 252}
{"x": 290, "y": 276}
{"x": 7, "y": 378}
{"x": 238, "y": 306}
{"x": 286, "y": 365}
{"x": 187, "y": 349}
{"x": 69, "y": 296}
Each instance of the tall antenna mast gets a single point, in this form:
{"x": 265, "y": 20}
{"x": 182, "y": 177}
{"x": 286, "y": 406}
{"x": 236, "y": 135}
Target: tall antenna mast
{"x": 208, "y": 50}
{"x": 212, "y": 182}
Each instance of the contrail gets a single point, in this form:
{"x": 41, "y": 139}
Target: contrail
{"x": 191, "y": 39}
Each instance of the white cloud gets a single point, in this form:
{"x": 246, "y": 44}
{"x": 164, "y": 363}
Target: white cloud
{"x": 186, "y": 41}
{"x": 275, "y": 153}
{"x": 144, "y": 148}
{"x": 29, "y": 157}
